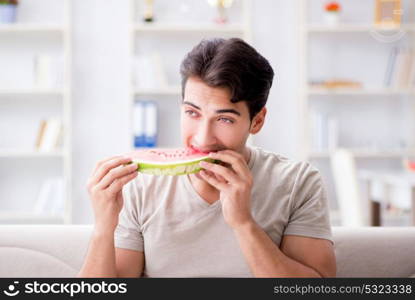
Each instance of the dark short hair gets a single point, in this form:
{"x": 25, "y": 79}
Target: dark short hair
{"x": 233, "y": 64}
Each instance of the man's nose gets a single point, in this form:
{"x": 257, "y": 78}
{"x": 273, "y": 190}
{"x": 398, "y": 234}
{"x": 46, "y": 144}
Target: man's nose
{"x": 204, "y": 136}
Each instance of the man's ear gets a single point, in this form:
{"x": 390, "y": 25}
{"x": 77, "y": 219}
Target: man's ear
{"x": 258, "y": 121}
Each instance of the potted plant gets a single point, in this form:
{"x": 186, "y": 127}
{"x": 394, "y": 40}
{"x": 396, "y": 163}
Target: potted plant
{"x": 332, "y": 13}
{"x": 8, "y": 11}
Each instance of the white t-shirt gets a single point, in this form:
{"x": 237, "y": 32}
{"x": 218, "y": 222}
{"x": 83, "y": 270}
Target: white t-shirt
{"x": 184, "y": 236}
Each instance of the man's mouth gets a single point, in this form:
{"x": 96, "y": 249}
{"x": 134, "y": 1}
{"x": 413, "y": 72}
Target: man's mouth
{"x": 205, "y": 151}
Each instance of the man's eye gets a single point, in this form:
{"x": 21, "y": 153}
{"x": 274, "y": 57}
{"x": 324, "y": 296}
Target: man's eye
{"x": 226, "y": 120}
{"x": 191, "y": 113}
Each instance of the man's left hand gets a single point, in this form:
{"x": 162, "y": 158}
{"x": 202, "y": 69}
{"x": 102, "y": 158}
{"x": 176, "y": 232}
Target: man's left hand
{"x": 234, "y": 183}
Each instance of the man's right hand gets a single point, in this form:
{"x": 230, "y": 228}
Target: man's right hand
{"x": 105, "y": 190}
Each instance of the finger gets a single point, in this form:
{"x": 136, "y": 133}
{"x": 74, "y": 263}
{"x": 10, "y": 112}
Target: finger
{"x": 236, "y": 161}
{"x": 101, "y": 162}
{"x": 217, "y": 176}
{"x": 116, "y": 173}
{"x": 117, "y": 185}
{"x": 220, "y": 178}
{"x": 226, "y": 173}
{"x": 107, "y": 166}
{"x": 214, "y": 175}
{"x": 213, "y": 181}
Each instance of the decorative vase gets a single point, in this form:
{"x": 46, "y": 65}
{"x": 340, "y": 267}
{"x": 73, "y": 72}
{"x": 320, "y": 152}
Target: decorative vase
{"x": 7, "y": 13}
{"x": 332, "y": 18}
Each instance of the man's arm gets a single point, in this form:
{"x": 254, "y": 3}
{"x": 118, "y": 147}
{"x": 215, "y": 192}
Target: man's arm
{"x": 314, "y": 259}
{"x": 105, "y": 189}
{"x": 298, "y": 256}
{"x": 100, "y": 258}
{"x": 104, "y": 260}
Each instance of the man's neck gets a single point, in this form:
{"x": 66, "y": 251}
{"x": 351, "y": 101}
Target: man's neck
{"x": 247, "y": 154}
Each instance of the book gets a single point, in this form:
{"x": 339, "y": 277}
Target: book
{"x": 332, "y": 133}
{"x": 48, "y": 71}
{"x": 50, "y": 198}
{"x": 149, "y": 71}
{"x": 319, "y": 131}
{"x": 400, "y": 69}
{"x": 411, "y": 79}
{"x": 40, "y": 134}
{"x": 43, "y": 66}
{"x": 331, "y": 84}
{"x": 325, "y": 131}
{"x": 402, "y": 77}
{"x": 49, "y": 135}
{"x": 390, "y": 66}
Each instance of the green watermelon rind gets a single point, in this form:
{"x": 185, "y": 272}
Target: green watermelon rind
{"x": 189, "y": 167}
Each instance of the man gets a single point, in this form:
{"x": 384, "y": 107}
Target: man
{"x": 258, "y": 214}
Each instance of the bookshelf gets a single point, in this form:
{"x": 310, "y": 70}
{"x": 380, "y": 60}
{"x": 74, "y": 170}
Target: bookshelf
{"x": 171, "y": 90}
{"x": 307, "y": 31}
{"x": 362, "y": 92}
{"x": 348, "y": 42}
{"x": 186, "y": 28}
{"x": 43, "y": 27}
{"x": 173, "y": 35}
{"x": 31, "y": 28}
{"x": 17, "y": 153}
{"x": 356, "y": 28}
{"x": 362, "y": 153}
{"x": 32, "y": 92}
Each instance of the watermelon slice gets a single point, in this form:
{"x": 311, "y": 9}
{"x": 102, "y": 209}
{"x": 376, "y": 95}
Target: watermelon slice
{"x": 163, "y": 161}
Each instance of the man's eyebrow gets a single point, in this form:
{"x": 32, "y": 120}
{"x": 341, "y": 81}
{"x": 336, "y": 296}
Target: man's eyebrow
{"x": 230, "y": 110}
{"x": 191, "y": 104}
{"x": 219, "y": 111}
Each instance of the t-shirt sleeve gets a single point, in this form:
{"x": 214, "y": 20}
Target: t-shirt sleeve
{"x": 128, "y": 233}
{"x": 309, "y": 206}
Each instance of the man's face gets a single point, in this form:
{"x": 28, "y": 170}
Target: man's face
{"x": 210, "y": 121}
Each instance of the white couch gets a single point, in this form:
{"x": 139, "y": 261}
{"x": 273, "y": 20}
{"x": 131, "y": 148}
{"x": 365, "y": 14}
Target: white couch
{"x": 59, "y": 250}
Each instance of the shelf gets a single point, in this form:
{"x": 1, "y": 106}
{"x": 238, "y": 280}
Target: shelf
{"x": 54, "y": 35}
{"x": 46, "y": 28}
{"x": 172, "y": 90}
{"x": 362, "y": 28}
{"x": 15, "y": 153}
{"x": 32, "y": 92}
{"x": 361, "y": 92}
{"x": 11, "y": 217}
{"x": 175, "y": 27}
{"x": 361, "y": 153}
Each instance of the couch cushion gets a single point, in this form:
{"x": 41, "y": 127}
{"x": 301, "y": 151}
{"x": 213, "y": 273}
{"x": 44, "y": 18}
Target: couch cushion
{"x": 375, "y": 251}
{"x": 42, "y": 250}
{"x": 59, "y": 250}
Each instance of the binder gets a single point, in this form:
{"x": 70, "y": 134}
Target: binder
{"x": 50, "y": 198}
{"x": 150, "y": 113}
{"x": 138, "y": 124}
{"x": 145, "y": 124}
